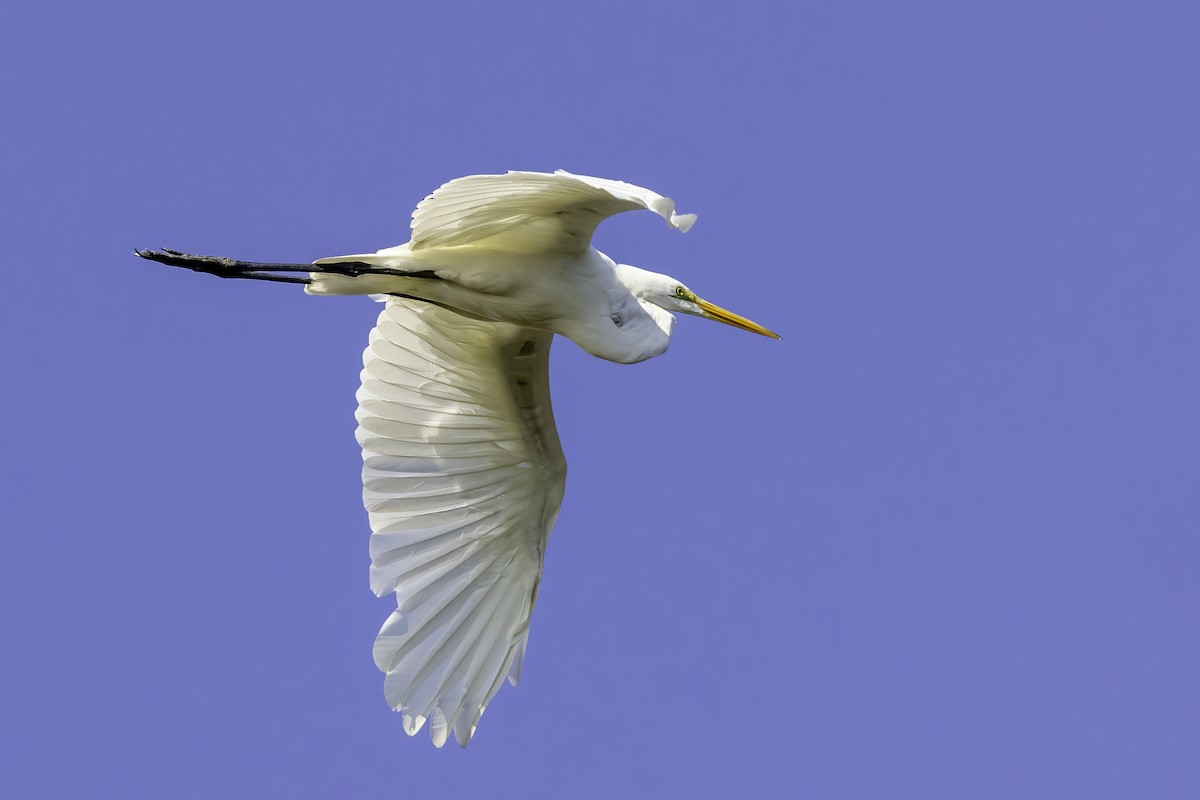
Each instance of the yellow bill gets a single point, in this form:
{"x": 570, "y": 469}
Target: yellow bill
{"x": 730, "y": 318}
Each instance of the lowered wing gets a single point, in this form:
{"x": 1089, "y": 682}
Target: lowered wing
{"x": 462, "y": 478}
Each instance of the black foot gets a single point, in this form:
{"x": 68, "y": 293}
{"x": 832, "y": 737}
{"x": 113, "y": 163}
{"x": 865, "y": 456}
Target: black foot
{"x": 228, "y": 267}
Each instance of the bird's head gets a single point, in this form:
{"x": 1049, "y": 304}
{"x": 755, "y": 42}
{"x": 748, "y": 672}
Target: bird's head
{"x": 670, "y": 294}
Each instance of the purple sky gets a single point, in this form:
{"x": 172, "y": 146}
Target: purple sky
{"x": 940, "y": 542}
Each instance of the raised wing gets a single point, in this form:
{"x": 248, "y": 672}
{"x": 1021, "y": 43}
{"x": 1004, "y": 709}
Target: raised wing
{"x": 462, "y": 478}
{"x": 530, "y": 212}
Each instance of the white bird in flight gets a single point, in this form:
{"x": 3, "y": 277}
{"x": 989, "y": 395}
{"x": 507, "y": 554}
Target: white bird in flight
{"x": 463, "y": 473}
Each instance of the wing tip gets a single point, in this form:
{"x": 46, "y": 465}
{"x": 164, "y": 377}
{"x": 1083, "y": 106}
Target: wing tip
{"x": 682, "y": 222}
{"x": 665, "y": 208}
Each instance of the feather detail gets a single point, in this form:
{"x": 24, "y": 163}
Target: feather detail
{"x": 530, "y": 212}
{"x": 462, "y": 478}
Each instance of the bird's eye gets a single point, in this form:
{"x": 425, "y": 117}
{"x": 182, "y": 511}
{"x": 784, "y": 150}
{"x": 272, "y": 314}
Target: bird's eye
{"x": 680, "y": 291}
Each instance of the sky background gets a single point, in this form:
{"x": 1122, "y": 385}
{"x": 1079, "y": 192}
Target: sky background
{"x": 939, "y": 542}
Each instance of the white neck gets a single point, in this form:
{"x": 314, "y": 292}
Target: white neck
{"x": 628, "y": 328}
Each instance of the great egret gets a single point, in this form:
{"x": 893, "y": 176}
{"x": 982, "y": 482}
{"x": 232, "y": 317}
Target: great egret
{"x": 462, "y": 468}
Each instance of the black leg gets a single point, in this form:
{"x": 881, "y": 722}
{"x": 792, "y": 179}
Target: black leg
{"x": 268, "y": 271}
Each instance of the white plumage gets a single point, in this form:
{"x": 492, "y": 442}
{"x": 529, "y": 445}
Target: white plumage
{"x": 531, "y": 211}
{"x": 463, "y": 473}
{"x": 462, "y": 477}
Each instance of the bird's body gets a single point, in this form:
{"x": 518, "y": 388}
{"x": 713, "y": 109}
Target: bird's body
{"x": 463, "y": 473}
{"x": 586, "y": 297}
